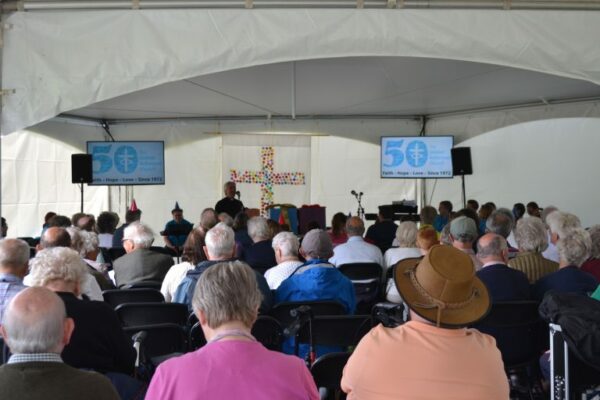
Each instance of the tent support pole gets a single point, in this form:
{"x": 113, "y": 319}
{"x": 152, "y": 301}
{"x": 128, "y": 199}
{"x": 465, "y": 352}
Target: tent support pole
{"x": 293, "y": 89}
{"x": 422, "y": 196}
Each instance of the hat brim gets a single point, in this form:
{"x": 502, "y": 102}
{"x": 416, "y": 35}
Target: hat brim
{"x": 476, "y": 310}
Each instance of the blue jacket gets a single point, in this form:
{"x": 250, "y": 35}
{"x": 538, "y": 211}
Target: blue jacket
{"x": 566, "y": 280}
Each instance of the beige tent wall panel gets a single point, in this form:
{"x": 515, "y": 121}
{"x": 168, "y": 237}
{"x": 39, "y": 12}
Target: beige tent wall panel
{"x": 552, "y": 162}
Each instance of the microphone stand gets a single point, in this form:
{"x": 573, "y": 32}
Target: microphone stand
{"x": 361, "y": 211}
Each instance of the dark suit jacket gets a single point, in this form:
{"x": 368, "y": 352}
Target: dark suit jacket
{"x": 260, "y": 256}
{"x": 98, "y": 341}
{"x": 505, "y": 283}
{"x": 141, "y": 265}
{"x": 566, "y": 280}
{"x": 48, "y": 380}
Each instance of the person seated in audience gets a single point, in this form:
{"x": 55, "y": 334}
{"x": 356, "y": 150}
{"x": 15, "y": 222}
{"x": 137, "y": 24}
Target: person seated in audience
{"x": 98, "y": 341}
{"x": 445, "y": 237}
{"x": 473, "y": 204}
{"x": 140, "y": 264}
{"x": 501, "y": 222}
{"x": 383, "y": 231}
{"x": 193, "y": 254}
{"x": 337, "y": 233}
{"x": 574, "y": 248}
{"x": 518, "y": 211}
{"x": 432, "y": 356}
{"x": 59, "y": 221}
{"x": 132, "y": 215}
{"x": 503, "y": 283}
{"x": 592, "y": 264}
{"x": 559, "y": 223}
{"x": 107, "y": 224}
{"x": 60, "y": 237}
{"x": 86, "y": 244}
{"x": 356, "y": 250}
{"x": 233, "y": 365}
{"x": 463, "y": 233}
{"x": 484, "y": 213}
{"x": 176, "y": 230}
{"x": 406, "y": 236}
{"x": 286, "y": 246}
{"x": 220, "y": 246}
{"x": 317, "y": 278}
{"x": 443, "y": 218}
{"x": 240, "y": 227}
{"x": 274, "y": 227}
{"x": 260, "y": 256}
{"x": 533, "y": 210}
{"x": 426, "y": 239}
{"x": 47, "y": 219}
{"x": 86, "y": 222}
{"x": 36, "y": 329}
{"x": 226, "y": 219}
{"x": 530, "y": 235}
{"x": 75, "y": 218}
{"x": 14, "y": 259}
{"x": 208, "y": 219}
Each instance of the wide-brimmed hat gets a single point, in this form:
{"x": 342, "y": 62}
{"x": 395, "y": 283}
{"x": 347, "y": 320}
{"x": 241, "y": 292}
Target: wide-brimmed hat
{"x": 442, "y": 287}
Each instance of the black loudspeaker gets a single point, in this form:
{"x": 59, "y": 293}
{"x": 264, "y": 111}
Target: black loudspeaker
{"x": 461, "y": 161}
{"x": 81, "y": 168}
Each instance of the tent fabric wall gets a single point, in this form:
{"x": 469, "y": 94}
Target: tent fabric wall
{"x": 74, "y": 59}
{"x": 552, "y": 162}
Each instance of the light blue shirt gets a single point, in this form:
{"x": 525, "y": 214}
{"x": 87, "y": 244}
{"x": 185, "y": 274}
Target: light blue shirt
{"x": 10, "y": 285}
{"x": 356, "y": 250}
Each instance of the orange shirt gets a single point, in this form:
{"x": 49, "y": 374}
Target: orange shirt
{"x": 418, "y": 361}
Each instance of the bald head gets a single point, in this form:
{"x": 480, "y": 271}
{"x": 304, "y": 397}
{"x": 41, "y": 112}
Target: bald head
{"x": 35, "y": 321}
{"x": 492, "y": 247}
{"x": 355, "y": 226}
{"x": 55, "y": 237}
{"x": 14, "y": 256}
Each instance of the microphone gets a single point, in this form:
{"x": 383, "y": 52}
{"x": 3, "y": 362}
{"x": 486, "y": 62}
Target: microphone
{"x": 361, "y": 193}
{"x": 238, "y": 194}
{"x": 353, "y": 192}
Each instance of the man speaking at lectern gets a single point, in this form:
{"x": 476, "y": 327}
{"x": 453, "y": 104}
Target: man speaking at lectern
{"x": 229, "y": 204}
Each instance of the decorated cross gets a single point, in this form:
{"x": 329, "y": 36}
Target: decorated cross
{"x": 267, "y": 178}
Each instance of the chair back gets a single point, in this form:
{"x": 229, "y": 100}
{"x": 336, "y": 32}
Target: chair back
{"x": 144, "y": 285}
{"x": 196, "y": 337}
{"x": 268, "y": 331}
{"x": 160, "y": 340}
{"x": 137, "y": 314}
{"x": 115, "y": 297}
{"x": 327, "y": 372}
{"x": 281, "y": 312}
{"x": 336, "y": 330}
{"x": 361, "y": 271}
{"x": 517, "y": 327}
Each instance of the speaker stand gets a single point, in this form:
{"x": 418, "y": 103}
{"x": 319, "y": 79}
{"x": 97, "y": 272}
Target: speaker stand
{"x": 464, "y": 196}
{"x": 81, "y": 186}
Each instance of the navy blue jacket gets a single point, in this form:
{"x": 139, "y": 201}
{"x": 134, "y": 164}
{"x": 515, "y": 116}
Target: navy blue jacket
{"x": 505, "y": 283}
{"x": 260, "y": 256}
{"x": 382, "y": 234}
{"x": 566, "y": 280}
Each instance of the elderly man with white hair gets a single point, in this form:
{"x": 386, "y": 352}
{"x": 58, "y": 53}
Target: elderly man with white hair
{"x": 140, "y": 264}
{"x": 356, "y": 249}
{"x": 14, "y": 256}
{"x": 501, "y": 222}
{"x": 220, "y": 246}
{"x": 574, "y": 247}
{"x": 260, "y": 255}
{"x": 285, "y": 245}
{"x": 531, "y": 238}
{"x": 36, "y": 329}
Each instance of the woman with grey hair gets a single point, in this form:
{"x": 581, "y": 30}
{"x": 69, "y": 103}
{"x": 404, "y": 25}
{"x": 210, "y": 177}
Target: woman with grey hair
{"x": 592, "y": 265}
{"x": 573, "y": 249}
{"x": 532, "y": 240}
{"x": 86, "y": 244}
{"x": 233, "y": 364}
{"x": 260, "y": 255}
{"x": 406, "y": 235}
{"x": 98, "y": 341}
{"x": 285, "y": 245}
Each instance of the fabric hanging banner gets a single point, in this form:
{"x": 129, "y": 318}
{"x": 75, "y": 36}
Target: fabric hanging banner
{"x": 268, "y": 169}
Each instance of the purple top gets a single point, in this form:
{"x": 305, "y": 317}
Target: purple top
{"x": 233, "y": 369}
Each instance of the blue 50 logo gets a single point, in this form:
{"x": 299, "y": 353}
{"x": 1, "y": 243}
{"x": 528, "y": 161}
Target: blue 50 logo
{"x": 416, "y": 153}
{"x": 125, "y": 159}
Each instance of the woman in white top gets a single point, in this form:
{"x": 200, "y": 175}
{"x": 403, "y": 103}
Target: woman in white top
{"x": 193, "y": 253}
{"x": 406, "y": 235}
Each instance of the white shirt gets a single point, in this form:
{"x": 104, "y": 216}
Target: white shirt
{"x": 279, "y": 273}
{"x": 551, "y": 253}
{"x": 173, "y": 278}
{"x": 356, "y": 250}
{"x": 392, "y": 256}
{"x": 105, "y": 240}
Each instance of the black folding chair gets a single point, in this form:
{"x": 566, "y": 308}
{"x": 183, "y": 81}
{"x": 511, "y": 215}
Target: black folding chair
{"x": 366, "y": 279}
{"x": 156, "y": 343}
{"x": 390, "y": 315}
{"x": 136, "y": 314}
{"x": 281, "y": 312}
{"x": 144, "y": 285}
{"x": 196, "y": 337}
{"x": 518, "y": 329}
{"x": 327, "y": 373}
{"x": 335, "y": 330}
{"x": 115, "y": 297}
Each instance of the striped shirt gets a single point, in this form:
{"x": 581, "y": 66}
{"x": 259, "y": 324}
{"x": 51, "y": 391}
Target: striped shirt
{"x": 534, "y": 265}
{"x": 10, "y": 285}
